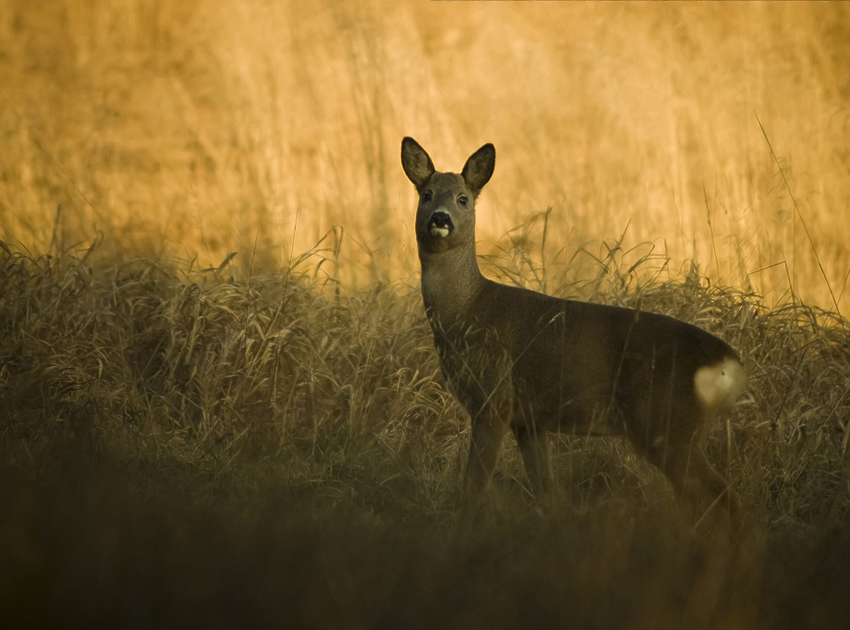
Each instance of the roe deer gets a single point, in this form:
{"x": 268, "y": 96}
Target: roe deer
{"x": 535, "y": 363}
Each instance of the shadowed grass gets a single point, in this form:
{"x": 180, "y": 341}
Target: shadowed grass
{"x": 180, "y": 447}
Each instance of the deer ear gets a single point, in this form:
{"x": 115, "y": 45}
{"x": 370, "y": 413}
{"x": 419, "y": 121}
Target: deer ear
{"x": 415, "y": 161}
{"x": 479, "y": 168}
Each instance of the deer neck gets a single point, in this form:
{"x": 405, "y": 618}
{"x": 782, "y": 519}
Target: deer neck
{"x": 451, "y": 281}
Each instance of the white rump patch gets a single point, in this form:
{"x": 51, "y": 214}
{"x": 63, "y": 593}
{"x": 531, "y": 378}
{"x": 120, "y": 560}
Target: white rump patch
{"x": 441, "y": 232}
{"x": 720, "y": 384}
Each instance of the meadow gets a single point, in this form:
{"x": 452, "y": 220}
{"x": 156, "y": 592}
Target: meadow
{"x": 219, "y": 398}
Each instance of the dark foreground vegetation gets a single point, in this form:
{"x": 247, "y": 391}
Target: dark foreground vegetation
{"x": 181, "y": 448}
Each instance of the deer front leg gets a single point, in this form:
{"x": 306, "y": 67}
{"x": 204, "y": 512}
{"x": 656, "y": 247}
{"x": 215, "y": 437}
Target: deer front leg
{"x": 488, "y": 431}
{"x": 479, "y": 375}
{"x": 534, "y": 446}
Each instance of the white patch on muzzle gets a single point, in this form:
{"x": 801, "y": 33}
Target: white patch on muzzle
{"x": 440, "y": 232}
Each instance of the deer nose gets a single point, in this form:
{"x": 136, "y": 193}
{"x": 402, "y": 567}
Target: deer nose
{"x": 440, "y": 224}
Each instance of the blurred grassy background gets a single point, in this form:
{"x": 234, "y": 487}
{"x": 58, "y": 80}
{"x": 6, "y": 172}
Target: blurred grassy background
{"x": 204, "y": 128}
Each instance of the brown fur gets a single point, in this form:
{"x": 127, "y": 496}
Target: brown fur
{"x": 533, "y": 363}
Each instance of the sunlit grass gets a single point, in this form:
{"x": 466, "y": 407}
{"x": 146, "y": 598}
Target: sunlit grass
{"x": 211, "y": 128}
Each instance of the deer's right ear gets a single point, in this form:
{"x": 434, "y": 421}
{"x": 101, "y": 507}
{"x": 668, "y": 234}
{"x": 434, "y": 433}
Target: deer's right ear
{"x": 416, "y": 164}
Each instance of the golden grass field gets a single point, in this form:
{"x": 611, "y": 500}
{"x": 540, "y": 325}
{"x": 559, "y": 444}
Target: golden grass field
{"x": 190, "y": 437}
{"x": 260, "y": 127}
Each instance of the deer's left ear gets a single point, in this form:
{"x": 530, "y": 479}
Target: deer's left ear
{"x": 479, "y": 168}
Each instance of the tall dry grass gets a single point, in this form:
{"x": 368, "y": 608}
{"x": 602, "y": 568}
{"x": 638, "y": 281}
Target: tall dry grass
{"x": 214, "y": 408}
{"x": 260, "y": 127}
{"x": 179, "y": 446}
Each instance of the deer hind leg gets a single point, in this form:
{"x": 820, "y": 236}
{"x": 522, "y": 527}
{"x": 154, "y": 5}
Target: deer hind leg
{"x": 705, "y": 492}
{"x": 672, "y": 439}
{"x": 534, "y": 445}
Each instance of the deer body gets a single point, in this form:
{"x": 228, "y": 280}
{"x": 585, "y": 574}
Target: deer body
{"x": 533, "y": 363}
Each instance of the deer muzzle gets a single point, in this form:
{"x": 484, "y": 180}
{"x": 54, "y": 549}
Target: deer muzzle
{"x": 440, "y": 225}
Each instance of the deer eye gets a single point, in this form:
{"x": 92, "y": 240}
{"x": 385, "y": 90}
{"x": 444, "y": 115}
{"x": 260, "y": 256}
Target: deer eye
{"x": 463, "y": 200}
{"x": 425, "y": 197}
